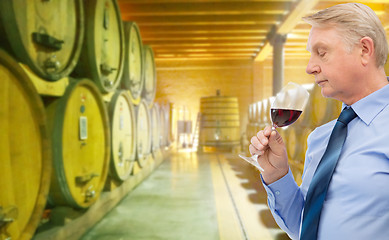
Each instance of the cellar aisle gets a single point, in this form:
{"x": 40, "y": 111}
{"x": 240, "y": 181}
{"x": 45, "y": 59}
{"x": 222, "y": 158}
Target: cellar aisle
{"x": 193, "y": 196}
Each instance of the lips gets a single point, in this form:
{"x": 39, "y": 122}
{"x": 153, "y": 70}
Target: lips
{"x": 320, "y": 82}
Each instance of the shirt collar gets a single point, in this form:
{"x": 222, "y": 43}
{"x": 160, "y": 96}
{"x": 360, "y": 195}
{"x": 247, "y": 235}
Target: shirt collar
{"x": 368, "y": 107}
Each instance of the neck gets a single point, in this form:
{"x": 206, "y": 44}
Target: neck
{"x": 368, "y": 83}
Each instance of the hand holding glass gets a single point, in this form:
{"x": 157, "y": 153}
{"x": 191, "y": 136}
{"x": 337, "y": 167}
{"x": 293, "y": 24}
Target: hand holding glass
{"x": 287, "y": 107}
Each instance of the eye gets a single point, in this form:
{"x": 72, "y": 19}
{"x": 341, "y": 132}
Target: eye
{"x": 321, "y": 53}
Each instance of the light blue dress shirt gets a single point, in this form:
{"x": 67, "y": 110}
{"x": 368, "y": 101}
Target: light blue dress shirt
{"x": 357, "y": 202}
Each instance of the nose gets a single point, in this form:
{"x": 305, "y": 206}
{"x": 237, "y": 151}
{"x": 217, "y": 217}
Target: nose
{"x": 312, "y": 67}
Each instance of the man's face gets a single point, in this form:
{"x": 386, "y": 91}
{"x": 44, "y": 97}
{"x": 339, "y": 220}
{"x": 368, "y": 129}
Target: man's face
{"x": 335, "y": 68}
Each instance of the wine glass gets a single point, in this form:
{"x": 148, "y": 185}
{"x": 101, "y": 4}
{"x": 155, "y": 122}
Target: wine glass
{"x": 286, "y": 108}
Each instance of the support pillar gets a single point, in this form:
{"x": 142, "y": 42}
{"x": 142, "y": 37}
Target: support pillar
{"x": 278, "y": 62}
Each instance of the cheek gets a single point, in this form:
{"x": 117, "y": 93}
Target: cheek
{"x": 341, "y": 71}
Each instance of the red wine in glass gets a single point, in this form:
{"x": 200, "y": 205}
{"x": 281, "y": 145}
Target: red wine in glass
{"x": 285, "y": 110}
{"x": 284, "y": 117}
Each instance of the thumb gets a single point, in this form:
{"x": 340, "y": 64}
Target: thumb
{"x": 276, "y": 143}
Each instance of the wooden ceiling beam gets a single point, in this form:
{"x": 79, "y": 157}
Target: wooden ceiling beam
{"x": 253, "y": 28}
{"x": 345, "y": 1}
{"x": 202, "y": 20}
{"x": 228, "y": 34}
{"x": 206, "y": 44}
{"x": 191, "y": 37}
{"x": 202, "y": 50}
{"x": 377, "y": 6}
{"x": 198, "y": 1}
{"x": 210, "y": 59}
{"x": 168, "y": 48}
{"x": 201, "y": 41}
{"x": 204, "y": 8}
{"x": 204, "y": 55}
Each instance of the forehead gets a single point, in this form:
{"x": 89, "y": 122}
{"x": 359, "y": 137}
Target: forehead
{"x": 323, "y": 37}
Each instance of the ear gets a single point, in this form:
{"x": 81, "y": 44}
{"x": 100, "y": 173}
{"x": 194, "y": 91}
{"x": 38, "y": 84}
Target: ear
{"x": 368, "y": 50}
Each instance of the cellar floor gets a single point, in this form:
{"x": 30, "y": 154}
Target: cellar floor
{"x": 193, "y": 196}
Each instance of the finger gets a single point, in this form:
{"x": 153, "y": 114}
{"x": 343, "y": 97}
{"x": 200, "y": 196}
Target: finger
{"x": 254, "y": 151}
{"x": 258, "y": 144}
{"x": 267, "y": 131}
{"x": 276, "y": 142}
{"x": 262, "y": 138}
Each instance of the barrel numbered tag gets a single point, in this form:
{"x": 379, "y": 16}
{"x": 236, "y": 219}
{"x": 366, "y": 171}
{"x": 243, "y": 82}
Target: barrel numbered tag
{"x": 83, "y": 128}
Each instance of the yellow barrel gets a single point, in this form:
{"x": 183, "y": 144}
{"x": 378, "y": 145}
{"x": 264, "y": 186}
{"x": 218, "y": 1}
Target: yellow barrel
{"x": 45, "y": 35}
{"x": 81, "y": 145}
{"x": 252, "y": 129}
{"x": 102, "y": 55}
{"x": 165, "y": 125}
{"x": 291, "y": 141}
{"x": 265, "y": 113}
{"x": 25, "y": 153}
{"x": 150, "y": 76}
{"x": 296, "y": 142}
{"x": 219, "y": 125}
{"x": 156, "y": 127}
{"x": 258, "y": 117}
{"x": 251, "y": 112}
{"x": 143, "y": 142}
{"x": 163, "y": 131}
{"x": 133, "y": 69}
{"x": 123, "y": 135}
{"x": 321, "y": 109}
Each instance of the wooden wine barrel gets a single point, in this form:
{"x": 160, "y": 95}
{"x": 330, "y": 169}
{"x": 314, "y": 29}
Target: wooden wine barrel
{"x": 251, "y": 112}
{"x": 155, "y": 127}
{"x": 45, "y": 35}
{"x": 291, "y": 142}
{"x": 102, "y": 55}
{"x": 123, "y": 135}
{"x": 296, "y": 142}
{"x": 165, "y": 125}
{"x": 265, "y": 113}
{"x": 150, "y": 76}
{"x": 133, "y": 69}
{"x": 252, "y": 129}
{"x": 258, "y": 117}
{"x": 81, "y": 145}
{"x": 219, "y": 125}
{"x": 143, "y": 142}
{"x": 25, "y": 153}
{"x": 321, "y": 109}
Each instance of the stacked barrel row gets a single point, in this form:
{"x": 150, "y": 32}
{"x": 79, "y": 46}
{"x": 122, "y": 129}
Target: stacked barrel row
{"x": 318, "y": 111}
{"x": 96, "y": 117}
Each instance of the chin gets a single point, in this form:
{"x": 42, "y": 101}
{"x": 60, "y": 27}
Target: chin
{"x": 326, "y": 92}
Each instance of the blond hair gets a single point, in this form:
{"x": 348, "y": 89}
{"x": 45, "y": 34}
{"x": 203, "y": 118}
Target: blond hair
{"x": 354, "y": 21}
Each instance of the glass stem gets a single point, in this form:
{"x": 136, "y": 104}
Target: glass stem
{"x": 273, "y": 127}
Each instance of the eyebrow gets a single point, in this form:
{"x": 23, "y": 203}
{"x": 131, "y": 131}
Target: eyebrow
{"x": 317, "y": 46}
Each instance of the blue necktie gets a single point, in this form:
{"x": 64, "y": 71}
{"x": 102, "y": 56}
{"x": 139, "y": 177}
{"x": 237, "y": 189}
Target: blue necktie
{"x": 318, "y": 188}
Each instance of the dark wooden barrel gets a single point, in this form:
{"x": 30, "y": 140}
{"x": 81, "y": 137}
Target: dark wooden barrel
{"x": 123, "y": 135}
{"x": 25, "y": 153}
{"x": 219, "y": 125}
{"x": 150, "y": 76}
{"x": 133, "y": 69}
{"x": 143, "y": 142}
{"x": 102, "y": 55}
{"x": 80, "y": 134}
{"x": 45, "y": 35}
